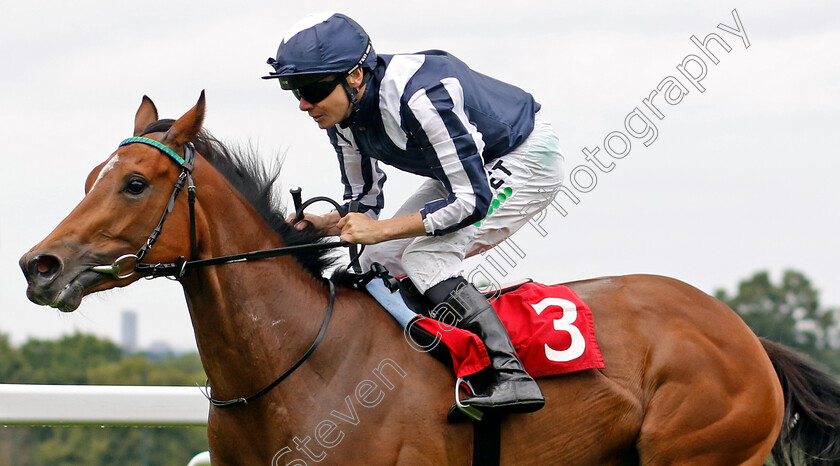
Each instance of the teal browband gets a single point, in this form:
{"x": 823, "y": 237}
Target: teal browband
{"x": 158, "y": 145}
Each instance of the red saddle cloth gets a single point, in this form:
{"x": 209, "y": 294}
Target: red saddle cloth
{"x": 549, "y": 325}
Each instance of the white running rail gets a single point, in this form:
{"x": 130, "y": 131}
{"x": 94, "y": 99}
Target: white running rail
{"x": 114, "y": 405}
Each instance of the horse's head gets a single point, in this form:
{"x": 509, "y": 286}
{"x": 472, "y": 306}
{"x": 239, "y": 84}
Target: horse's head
{"x": 125, "y": 197}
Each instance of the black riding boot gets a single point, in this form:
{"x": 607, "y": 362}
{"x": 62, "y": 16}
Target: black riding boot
{"x": 512, "y": 389}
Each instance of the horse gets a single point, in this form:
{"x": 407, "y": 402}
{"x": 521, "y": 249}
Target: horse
{"x": 685, "y": 382}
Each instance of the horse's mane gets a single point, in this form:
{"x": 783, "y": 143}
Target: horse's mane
{"x": 249, "y": 175}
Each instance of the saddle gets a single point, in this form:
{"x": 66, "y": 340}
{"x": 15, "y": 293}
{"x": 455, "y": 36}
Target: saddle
{"x": 415, "y": 300}
{"x": 550, "y": 327}
{"x": 461, "y": 350}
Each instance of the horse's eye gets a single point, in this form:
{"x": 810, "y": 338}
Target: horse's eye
{"x": 135, "y": 186}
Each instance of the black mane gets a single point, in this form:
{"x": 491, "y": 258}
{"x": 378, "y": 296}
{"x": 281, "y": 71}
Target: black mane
{"x": 248, "y": 174}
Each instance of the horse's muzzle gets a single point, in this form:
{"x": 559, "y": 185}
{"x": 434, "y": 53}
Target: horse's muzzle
{"x": 52, "y": 282}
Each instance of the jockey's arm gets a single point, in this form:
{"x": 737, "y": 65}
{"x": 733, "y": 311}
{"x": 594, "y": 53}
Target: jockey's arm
{"x": 361, "y": 229}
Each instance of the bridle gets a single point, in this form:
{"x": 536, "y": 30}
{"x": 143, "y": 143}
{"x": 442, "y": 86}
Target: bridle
{"x": 181, "y": 266}
{"x": 186, "y": 164}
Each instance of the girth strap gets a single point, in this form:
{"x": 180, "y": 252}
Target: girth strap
{"x": 487, "y": 441}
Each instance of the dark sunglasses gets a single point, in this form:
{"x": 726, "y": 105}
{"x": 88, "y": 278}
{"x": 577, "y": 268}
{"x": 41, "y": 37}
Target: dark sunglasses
{"x": 317, "y": 91}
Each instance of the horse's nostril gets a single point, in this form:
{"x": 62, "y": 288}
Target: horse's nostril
{"x": 47, "y": 266}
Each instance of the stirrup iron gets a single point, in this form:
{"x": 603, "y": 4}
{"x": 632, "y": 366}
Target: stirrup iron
{"x": 471, "y": 412}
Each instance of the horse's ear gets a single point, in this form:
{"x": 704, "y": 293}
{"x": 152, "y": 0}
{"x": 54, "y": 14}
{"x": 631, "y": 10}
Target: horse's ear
{"x": 146, "y": 115}
{"x": 186, "y": 127}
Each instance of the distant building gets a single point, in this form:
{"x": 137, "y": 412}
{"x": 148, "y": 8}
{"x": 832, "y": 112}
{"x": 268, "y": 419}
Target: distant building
{"x": 129, "y": 331}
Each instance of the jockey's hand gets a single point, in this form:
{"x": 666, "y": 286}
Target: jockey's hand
{"x": 323, "y": 223}
{"x": 360, "y": 229}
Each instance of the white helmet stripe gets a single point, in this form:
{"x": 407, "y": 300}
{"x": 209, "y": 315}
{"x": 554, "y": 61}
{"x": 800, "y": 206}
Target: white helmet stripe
{"x": 306, "y": 23}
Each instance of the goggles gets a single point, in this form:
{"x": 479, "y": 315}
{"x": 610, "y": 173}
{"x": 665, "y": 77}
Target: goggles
{"x": 317, "y": 91}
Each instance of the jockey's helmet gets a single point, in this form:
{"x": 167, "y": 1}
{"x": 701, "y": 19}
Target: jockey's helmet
{"x": 320, "y": 45}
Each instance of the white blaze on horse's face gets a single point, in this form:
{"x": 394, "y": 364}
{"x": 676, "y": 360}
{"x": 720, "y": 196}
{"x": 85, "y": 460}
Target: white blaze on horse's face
{"x": 107, "y": 168}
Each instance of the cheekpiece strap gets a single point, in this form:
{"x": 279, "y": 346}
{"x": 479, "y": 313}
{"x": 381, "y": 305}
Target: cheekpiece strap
{"x": 186, "y": 164}
{"x": 161, "y": 147}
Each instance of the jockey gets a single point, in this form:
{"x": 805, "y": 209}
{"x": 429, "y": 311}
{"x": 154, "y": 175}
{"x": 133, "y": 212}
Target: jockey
{"x": 491, "y": 159}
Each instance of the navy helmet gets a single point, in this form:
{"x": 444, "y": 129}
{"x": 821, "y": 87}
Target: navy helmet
{"x": 319, "y": 45}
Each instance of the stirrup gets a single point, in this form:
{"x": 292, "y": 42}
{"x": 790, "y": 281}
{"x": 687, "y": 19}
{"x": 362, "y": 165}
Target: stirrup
{"x": 469, "y": 411}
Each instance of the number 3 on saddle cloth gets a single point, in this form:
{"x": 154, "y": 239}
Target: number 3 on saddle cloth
{"x": 550, "y": 327}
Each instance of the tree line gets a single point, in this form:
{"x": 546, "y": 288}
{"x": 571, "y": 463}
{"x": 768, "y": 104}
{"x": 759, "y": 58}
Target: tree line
{"x": 789, "y": 312}
{"x": 88, "y": 360}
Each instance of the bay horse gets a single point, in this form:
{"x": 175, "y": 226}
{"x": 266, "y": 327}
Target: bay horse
{"x": 686, "y": 381}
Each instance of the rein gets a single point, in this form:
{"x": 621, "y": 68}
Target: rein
{"x": 179, "y": 268}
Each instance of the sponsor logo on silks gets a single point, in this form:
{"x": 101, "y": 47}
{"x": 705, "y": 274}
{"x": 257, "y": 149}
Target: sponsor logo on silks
{"x": 498, "y": 201}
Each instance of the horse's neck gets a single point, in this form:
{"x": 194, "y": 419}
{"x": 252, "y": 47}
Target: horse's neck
{"x": 254, "y": 320}
{"x": 250, "y": 319}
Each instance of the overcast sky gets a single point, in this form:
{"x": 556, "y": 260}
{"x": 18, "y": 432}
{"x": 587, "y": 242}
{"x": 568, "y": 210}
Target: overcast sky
{"x": 739, "y": 178}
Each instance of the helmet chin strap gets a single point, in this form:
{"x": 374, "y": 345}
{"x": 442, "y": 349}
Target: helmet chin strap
{"x": 352, "y": 94}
